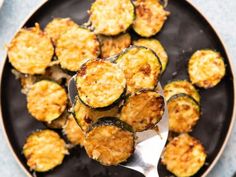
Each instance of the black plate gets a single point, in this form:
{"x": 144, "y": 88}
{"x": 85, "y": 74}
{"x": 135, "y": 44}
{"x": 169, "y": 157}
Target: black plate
{"x": 185, "y": 32}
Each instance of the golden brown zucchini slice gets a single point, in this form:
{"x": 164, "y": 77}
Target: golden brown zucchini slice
{"x": 184, "y": 156}
{"x": 109, "y": 17}
{"x": 100, "y": 83}
{"x": 31, "y": 51}
{"x": 110, "y": 141}
{"x": 150, "y": 17}
{"x": 75, "y": 47}
{"x": 143, "y": 110}
{"x": 46, "y": 101}
{"x": 141, "y": 66}
{"x": 57, "y": 27}
{"x": 73, "y": 131}
{"x": 206, "y": 68}
{"x": 114, "y": 45}
{"x": 184, "y": 113}
{"x": 181, "y": 86}
{"x": 44, "y": 150}
{"x": 157, "y": 47}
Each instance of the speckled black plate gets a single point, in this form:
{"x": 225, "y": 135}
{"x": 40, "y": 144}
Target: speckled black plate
{"x": 185, "y": 32}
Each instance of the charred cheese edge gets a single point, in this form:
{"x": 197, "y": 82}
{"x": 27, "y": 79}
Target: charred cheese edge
{"x": 31, "y": 51}
{"x": 150, "y": 17}
{"x": 141, "y": 66}
{"x": 44, "y": 150}
{"x": 46, "y": 100}
{"x": 181, "y": 86}
{"x": 75, "y": 47}
{"x": 206, "y": 68}
{"x": 109, "y": 17}
{"x": 157, "y": 47}
{"x": 184, "y": 156}
{"x": 184, "y": 112}
{"x": 109, "y": 142}
{"x": 100, "y": 83}
{"x": 143, "y": 110}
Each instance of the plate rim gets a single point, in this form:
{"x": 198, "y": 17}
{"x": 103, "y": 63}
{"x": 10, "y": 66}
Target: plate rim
{"x": 228, "y": 54}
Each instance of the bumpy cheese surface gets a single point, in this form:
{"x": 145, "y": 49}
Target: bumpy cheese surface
{"x": 31, "y": 51}
{"x": 111, "y": 17}
{"x": 184, "y": 156}
{"x": 44, "y": 150}
{"x": 100, "y": 83}
{"x": 75, "y": 47}
{"x": 206, "y": 68}
{"x": 46, "y": 101}
{"x": 150, "y": 17}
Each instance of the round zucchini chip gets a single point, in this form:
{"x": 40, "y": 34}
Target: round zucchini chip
{"x": 143, "y": 110}
{"x": 206, "y": 68}
{"x": 100, "y": 83}
{"x": 73, "y": 132}
{"x": 44, "y": 150}
{"x": 157, "y": 47}
{"x": 184, "y": 156}
{"x": 111, "y": 46}
{"x": 57, "y": 27}
{"x": 31, "y": 51}
{"x": 141, "y": 66}
{"x": 150, "y": 17}
{"x": 75, "y": 47}
{"x": 46, "y": 101}
{"x": 181, "y": 86}
{"x": 184, "y": 112}
{"x": 109, "y": 141}
{"x": 109, "y": 17}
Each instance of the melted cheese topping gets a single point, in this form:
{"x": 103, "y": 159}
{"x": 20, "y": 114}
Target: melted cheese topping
{"x": 206, "y": 68}
{"x": 44, "y": 150}
{"x": 183, "y": 114}
{"x": 141, "y": 67}
{"x": 46, "y": 101}
{"x": 58, "y": 26}
{"x": 150, "y": 17}
{"x": 109, "y": 145}
{"x": 75, "y": 47}
{"x": 73, "y": 132}
{"x": 181, "y": 86}
{"x": 100, "y": 83}
{"x": 143, "y": 111}
{"x": 114, "y": 45}
{"x": 30, "y": 51}
{"x": 184, "y": 156}
{"x": 111, "y": 17}
{"x": 156, "y": 46}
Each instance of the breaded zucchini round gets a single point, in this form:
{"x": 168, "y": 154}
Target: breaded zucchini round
{"x": 157, "y": 47}
{"x": 150, "y": 17}
{"x": 100, "y": 83}
{"x": 141, "y": 66}
{"x": 181, "y": 86}
{"x": 184, "y": 156}
{"x": 110, "y": 141}
{"x": 184, "y": 113}
{"x": 57, "y": 27}
{"x": 109, "y": 17}
{"x": 75, "y": 47}
{"x": 46, "y": 101}
{"x": 206, "y": 68}
{"x": 31, "y": 51}
{"x": 73, "y": 132}
{"x": 143, "y": 110}
{"x": 114, "y": 45}
{"x": 44, "y": 150}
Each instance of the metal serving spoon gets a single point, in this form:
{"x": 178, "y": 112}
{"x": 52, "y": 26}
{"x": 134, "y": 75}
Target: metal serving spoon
{"x": 150, "y": 143}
